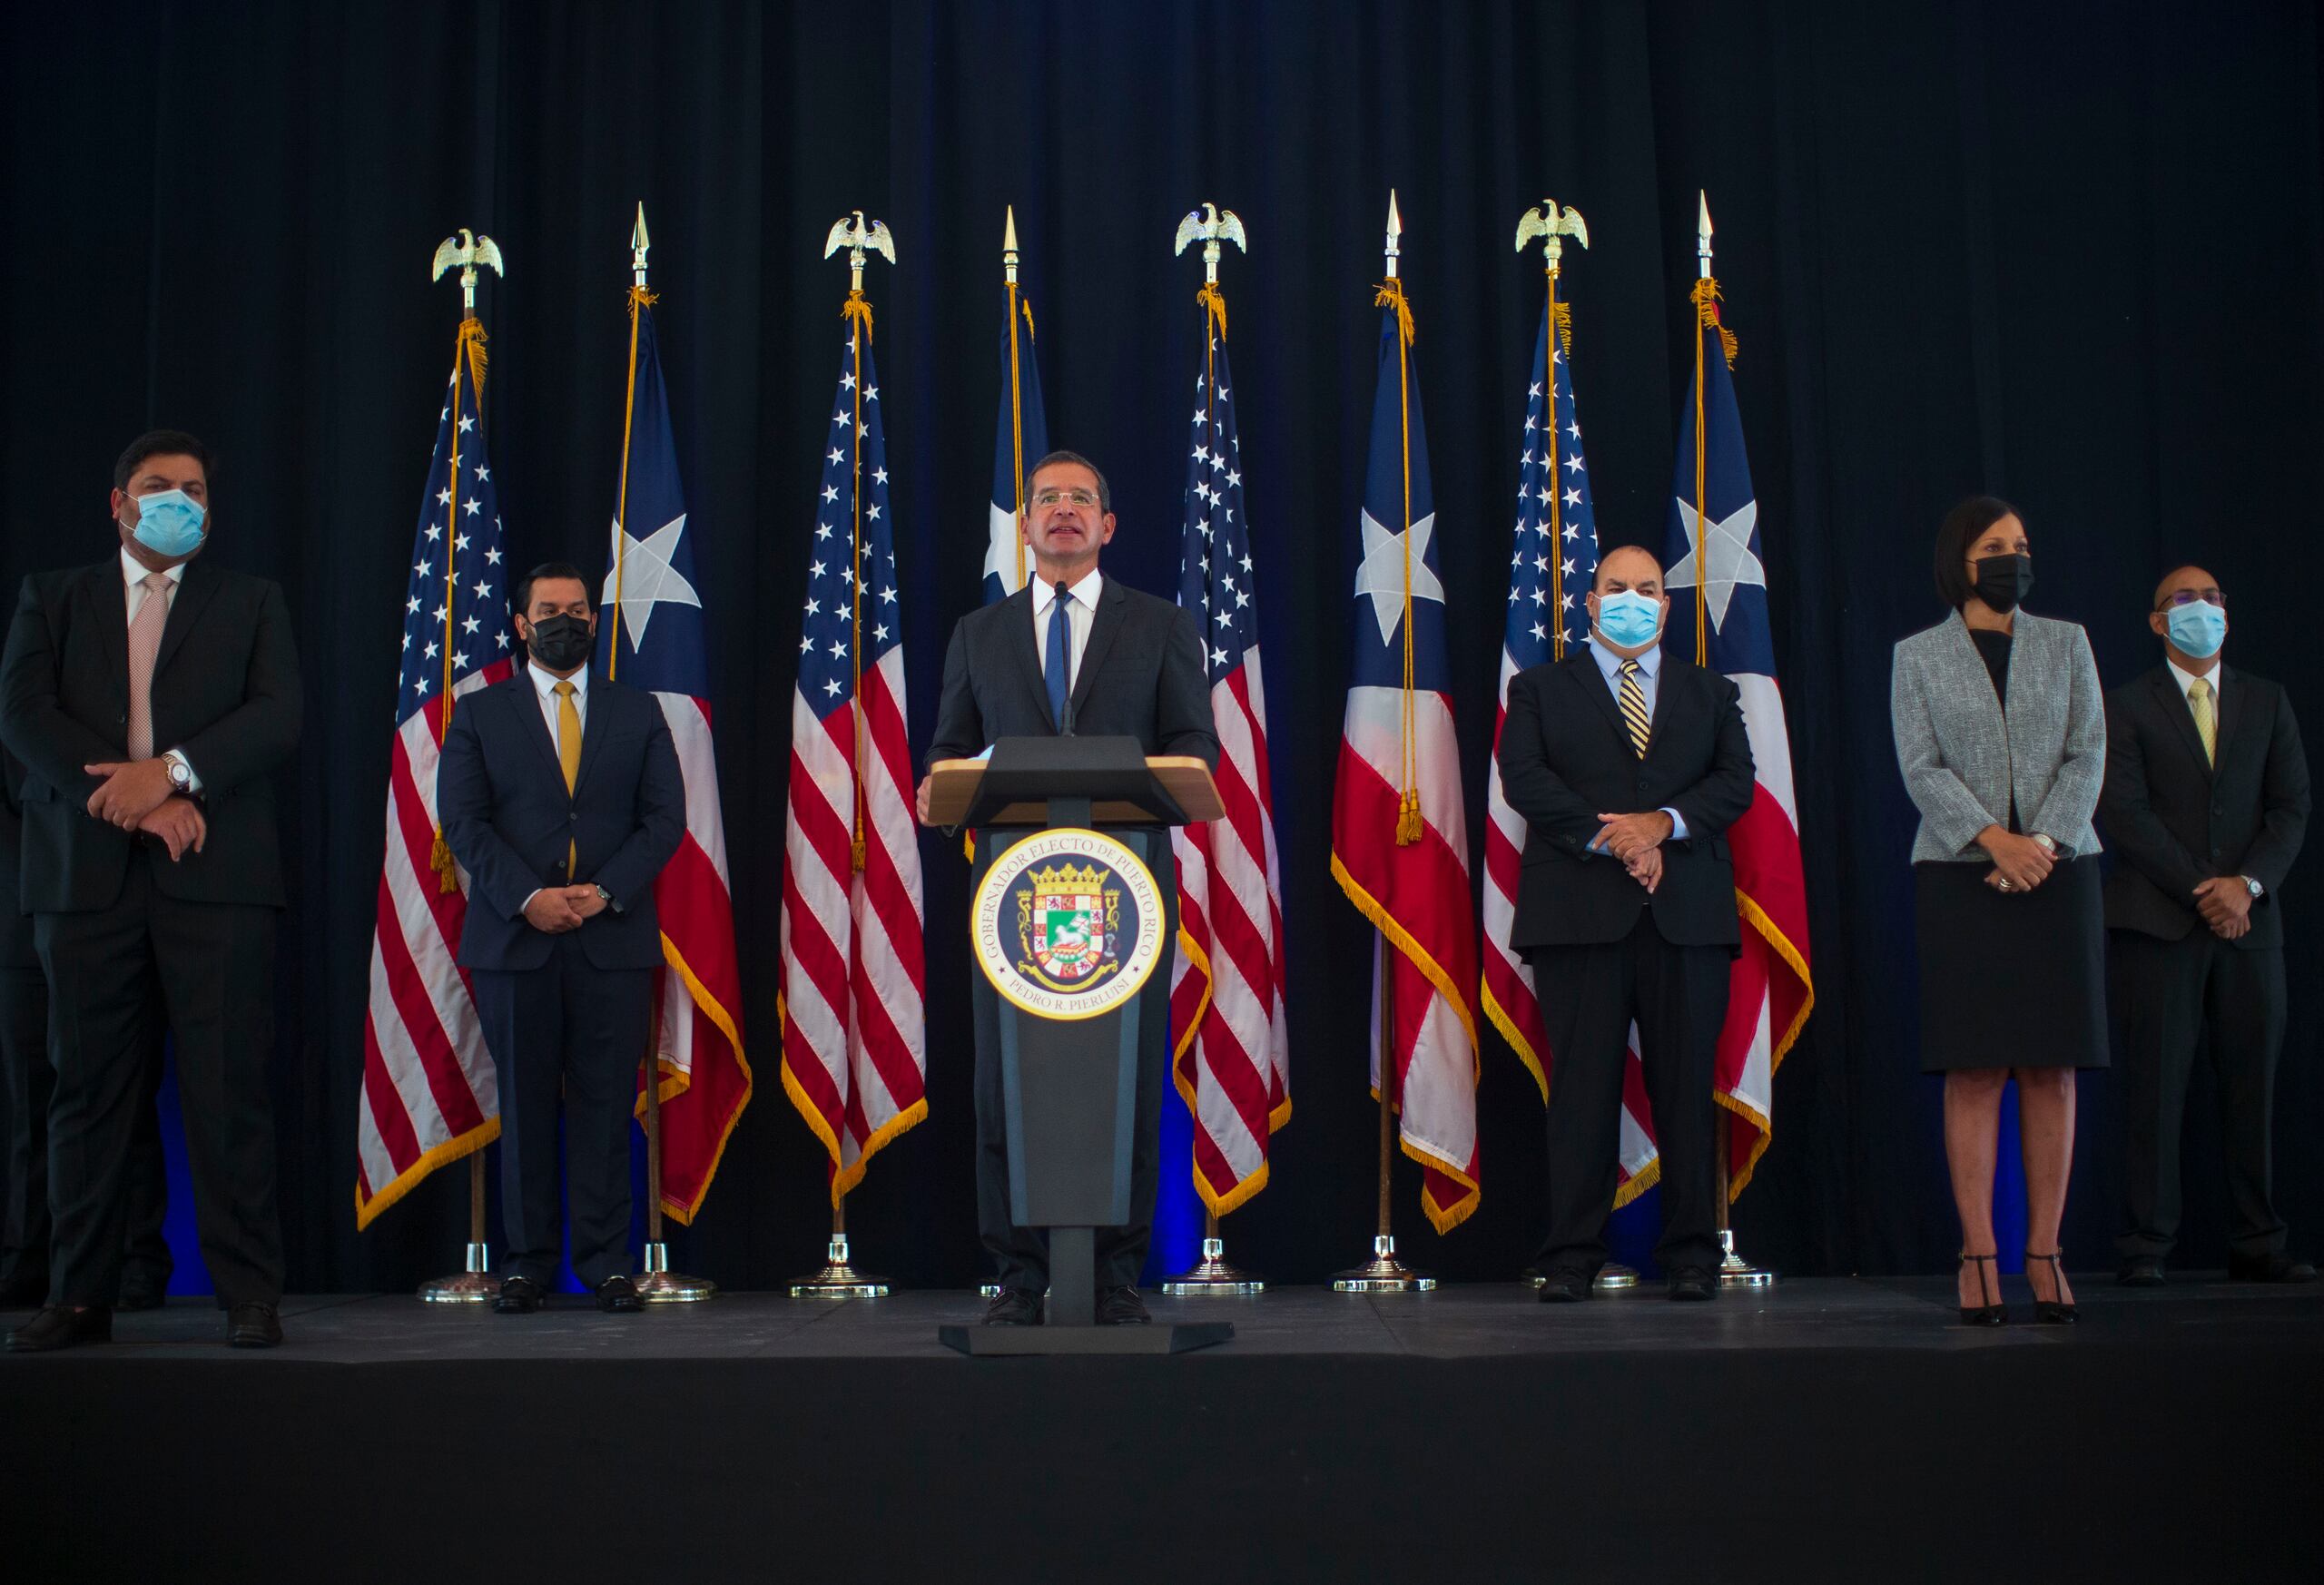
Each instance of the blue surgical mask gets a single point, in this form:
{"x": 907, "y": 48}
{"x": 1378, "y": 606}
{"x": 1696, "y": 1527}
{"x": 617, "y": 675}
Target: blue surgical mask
{"x": 169, "y": 523}
{"x": 1628, "y": 618}
{"x": 2198, "y": 628}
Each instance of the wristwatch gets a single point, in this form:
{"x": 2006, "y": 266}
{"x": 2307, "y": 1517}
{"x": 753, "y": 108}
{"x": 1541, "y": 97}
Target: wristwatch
{"x": 181, "y": 773}
{"x": 2253, "y": 887}
{"x": 607, "y": 898}
{"x": 2045, "y": 844}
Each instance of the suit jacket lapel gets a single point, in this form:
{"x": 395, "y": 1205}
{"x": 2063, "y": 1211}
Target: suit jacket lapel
{"x": 1105, "y": 627}
{"x": 194, "y": 593}
{"x": 1583, "y": 669}
{"x": 596, "y": 722}
{"x": 2173, "y": 706}
{"x": 2230, "y": 711}
{"x": 108, "y": 601}
{"x": 525, "y": 701}
{"x": 1017, "y": 619}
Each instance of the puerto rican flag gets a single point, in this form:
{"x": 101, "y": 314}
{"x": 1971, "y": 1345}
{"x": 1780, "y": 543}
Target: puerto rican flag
{"x": 1553, "y": 562}
{"x": 1020, "y": 437}
{"x": 1719, "y": 614}
{"x": 650, "y": 635}
{"x": 1400, "y": 843}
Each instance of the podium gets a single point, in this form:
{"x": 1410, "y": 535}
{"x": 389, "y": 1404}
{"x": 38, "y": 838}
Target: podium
{"x": 1073, "y": 852}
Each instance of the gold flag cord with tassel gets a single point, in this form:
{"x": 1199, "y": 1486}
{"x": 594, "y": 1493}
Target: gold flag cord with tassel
{"x": 468, "y": 351}
{"x": 1016, "y": 422}
{"x": 1408, "y": 813}
{"x": 1705, "y": 298}
{"x": 640, "y": 300}
{"x": 1559, "y": 323}
{"x": 857, "y": 312}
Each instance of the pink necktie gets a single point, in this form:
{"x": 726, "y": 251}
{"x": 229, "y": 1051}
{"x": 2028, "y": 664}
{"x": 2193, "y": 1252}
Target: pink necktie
{"x": 145, "y": 643}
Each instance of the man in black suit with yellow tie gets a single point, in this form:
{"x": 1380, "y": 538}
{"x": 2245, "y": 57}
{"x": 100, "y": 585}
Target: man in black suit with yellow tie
{"x": 1075, "y": 653}
{"x": 152, "y": 699}
{"x": 1628, "y": 765}
{"x": 561, "y": 796}
{"x": 2205, "y": 804}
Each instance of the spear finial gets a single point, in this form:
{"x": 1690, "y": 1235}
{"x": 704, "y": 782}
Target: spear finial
{"x": 1008, "y": 245}
{"x": 1702, "y": 232}
{"x": 1396, "y": 230}
{"x": 638, "y": 243}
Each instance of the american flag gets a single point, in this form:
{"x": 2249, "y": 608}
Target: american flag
{"x": 429, "y": 1094}
{"x": 1715, "y": 551}
{"x": 1551, "y": 565}
{"x": 854, "y": 979}
{"x": 1232, "y": 1056}
{"x": 1400, "y": 842}
{"x": 650, "y": 635}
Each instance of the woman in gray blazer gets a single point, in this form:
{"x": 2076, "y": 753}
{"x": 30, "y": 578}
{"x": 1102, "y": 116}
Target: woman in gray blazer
{"x": 2001, "y": 735}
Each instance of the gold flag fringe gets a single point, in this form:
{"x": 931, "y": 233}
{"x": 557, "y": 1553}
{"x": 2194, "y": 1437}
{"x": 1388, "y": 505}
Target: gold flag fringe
{"x": 1213, "y": 303}
{"x": 1391, "y": 295}
{"x": 858, "y": 307}
{"x": 1706, "y": 297}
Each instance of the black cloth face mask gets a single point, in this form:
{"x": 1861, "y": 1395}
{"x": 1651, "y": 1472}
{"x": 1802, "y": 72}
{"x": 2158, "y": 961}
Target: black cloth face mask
{"x": 2003, "y": 580}
{"x": 560, "y": 643}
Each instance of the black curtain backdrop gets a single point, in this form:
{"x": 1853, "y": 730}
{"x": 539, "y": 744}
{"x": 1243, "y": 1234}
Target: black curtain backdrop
{"x": 2065, "y": 252}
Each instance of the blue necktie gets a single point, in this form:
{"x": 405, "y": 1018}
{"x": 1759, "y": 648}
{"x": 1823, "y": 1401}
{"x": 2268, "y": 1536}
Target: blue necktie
{"x": 1061, "y": 653}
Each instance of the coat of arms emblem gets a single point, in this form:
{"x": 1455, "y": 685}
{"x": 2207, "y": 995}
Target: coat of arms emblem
{"x": 1067, "y": 925}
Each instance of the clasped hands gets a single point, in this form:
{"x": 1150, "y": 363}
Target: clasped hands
{"x": 1637, "y": 840}
{"x": 136, "y": 796}
{"x": 559, "y": 909}
{"x": 2225, "y": 903}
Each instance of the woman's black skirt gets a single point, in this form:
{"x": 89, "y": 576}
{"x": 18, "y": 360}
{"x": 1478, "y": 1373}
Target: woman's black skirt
{"x": 2011, "y": 980}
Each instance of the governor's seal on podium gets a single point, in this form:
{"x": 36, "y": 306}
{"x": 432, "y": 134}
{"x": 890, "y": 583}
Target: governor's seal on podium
{"x": 1068, "y": 924}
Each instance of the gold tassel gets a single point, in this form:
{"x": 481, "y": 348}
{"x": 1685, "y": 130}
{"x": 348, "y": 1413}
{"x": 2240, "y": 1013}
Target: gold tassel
{"x": 472, "y": 345}
{"x": 855, "y": 852}
{"x": 440, "y": 858}
{"x": 858, "y": 307}
{"x": 1706, "y": 297}
{"x": 1565, "y": 328}
{"x": 1391, "y": 295}
{"x": 1027, "y": 304}
{"x": 642, "y": 297}
{"x": 1408, "y": 820}
{"x": 1215, "y": 301}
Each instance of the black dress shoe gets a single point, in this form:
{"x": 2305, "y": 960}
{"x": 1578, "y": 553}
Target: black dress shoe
{"x": 1121, "y": 1308}
{"x": 137, "y": 1294}
{"x": 1565, "y": 1284}
{"x": 2140, "y": 1271}
{"x": 1014, "y": 1307}
{"x": 1693, "y": 1284}
{"x": 2269, "y": 1268}
{"x": 61, "y": 1326}
{"x": 253, "y": 1326}
{"x": 617, "y": 1295}
{"x": 519, "y": 1295}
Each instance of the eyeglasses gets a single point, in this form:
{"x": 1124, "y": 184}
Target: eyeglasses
{"x": 2189, "y": 597}
{"x": 1078, "y": 498}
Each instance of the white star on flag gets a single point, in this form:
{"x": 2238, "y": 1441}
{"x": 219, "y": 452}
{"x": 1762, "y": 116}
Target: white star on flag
{"x": 1382, "y": 575}
{"x": 647, "y": 578}
{"x": 1727, "y": 545}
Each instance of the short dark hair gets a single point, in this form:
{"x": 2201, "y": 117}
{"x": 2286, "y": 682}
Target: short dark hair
{"x": 547, "y": 570}
{"x": 1061, "y": 459}
{"x": 159, "y": 443}
{"x": 1962, "y": 527}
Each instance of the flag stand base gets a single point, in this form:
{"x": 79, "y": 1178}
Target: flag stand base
{"x": 1735, "y": 1272}
{"x": 839, "y": 1279}
{"x": 658, "y": 1285}
{"x": 1613, "y": 1277}
{"x": 1382, "y": 1273}
{"x": 1212, "y": 1275}
{"x": 474, "y": 1285}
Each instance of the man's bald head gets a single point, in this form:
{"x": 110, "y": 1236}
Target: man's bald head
{"x": 2189, "y": 576}
{"x": 1631, "y": 566}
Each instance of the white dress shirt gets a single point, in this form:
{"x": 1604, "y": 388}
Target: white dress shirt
{"x": 1649, "y": 687}
{"x": 133, "y": 573}
{"x": 544, "y": 685}
{"x": 2188, "y": 679}
{"x": 1081, "y": 611}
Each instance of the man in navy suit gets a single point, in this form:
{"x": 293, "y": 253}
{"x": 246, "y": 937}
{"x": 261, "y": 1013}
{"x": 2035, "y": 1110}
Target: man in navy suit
{"x": 561, "y": 796}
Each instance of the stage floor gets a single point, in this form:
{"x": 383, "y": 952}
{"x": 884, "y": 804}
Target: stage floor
{"x": 1821, "y": 1430}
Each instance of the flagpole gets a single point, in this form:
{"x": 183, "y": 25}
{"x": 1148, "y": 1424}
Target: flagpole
{"x": 1384, "y": 1272}
{"x": 1016, "y": 393}
{"x": 838, "y": 1278}
{"x": 1214, "y": 1275}
{"x": 475, "y": 1283}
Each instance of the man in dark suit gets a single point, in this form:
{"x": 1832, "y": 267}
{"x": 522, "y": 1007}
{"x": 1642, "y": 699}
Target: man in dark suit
{"x": 2205, "y": 804}
{"x": 1075, "y": 652}
{"x": 561, "y": 796}
{"x": 1628, "y": 765}
{"x": 152, "y": 698}
{"x": 25, "y": 1228}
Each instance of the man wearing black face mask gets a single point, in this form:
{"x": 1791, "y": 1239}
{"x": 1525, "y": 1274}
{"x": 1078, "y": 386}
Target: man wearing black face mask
{"x": 561, "y": 797}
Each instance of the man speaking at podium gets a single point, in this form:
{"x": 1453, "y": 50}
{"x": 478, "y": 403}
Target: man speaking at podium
{"x": 1072, "y": 653}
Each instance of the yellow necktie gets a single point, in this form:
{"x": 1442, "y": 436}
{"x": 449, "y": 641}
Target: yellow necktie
{"x": 568, "y": 755}
{"x": 1632, "y": 700}
{"x": 2200, "y": 701}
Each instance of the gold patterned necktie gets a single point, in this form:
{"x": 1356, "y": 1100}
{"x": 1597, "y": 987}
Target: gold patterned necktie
{"x": 1633, "y": 699}
{"x": 2206, "y": 709}
{"x": 145, "y": 648}
{"x": 568, "y": 756}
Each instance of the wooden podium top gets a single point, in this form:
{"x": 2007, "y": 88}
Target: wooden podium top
{"x": 952, "y": 787}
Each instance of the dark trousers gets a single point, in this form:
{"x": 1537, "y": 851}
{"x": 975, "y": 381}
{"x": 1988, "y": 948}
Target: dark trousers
{"x": 2170, "y": 999}
{"x": 573, "y": 1027}
{"x": 1022, "y": 1254}
{"x": 25, "y": 1228}
{"x": 1590, "y": 996}
{"x": 212, "y": 968}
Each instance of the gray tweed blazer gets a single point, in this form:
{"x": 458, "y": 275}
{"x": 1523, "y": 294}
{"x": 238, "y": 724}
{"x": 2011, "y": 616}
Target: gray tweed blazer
{"x": 1960, "y": 758}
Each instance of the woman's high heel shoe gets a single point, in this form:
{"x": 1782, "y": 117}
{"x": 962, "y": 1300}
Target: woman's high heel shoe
{"x": 1989, "y": 1314}
{"x": 2049, "y": 1311}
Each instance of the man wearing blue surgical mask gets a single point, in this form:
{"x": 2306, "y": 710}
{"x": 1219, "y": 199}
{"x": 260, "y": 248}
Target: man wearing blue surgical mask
{"x": 2205, "y": 804}
{"x": 153, "y": 698}
{"x": 1629, "y": 766}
